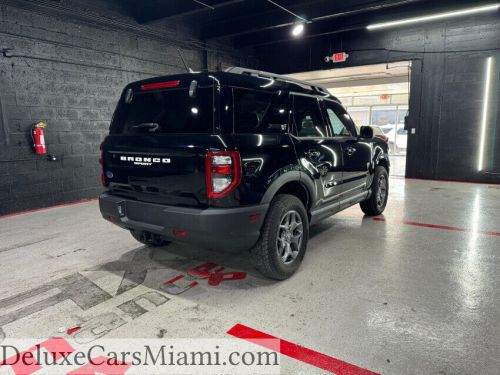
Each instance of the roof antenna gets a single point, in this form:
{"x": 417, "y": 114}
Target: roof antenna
{"x": 184, "y": 62}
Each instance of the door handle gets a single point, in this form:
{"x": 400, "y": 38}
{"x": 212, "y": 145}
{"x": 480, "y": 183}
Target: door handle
{"x": 331, "y": 184}
{"x": 313, "y": 154}
{"x": 323, "y": 168}
{"x": 350, "y": 150}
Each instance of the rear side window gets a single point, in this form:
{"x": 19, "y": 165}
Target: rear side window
{"x": 165, "y": 111}
{"x": 259, "y": 112}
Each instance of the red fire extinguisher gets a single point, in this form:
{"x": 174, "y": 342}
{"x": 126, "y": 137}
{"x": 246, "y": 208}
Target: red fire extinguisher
{"x": 38, "y": 138}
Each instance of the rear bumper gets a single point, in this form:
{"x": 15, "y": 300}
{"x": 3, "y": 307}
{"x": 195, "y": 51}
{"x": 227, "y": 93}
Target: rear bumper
{"x": 224, "y": 229}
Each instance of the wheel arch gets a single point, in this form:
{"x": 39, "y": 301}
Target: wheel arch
{"x": 294, "y": 184}
{"x": 381, "y": 158}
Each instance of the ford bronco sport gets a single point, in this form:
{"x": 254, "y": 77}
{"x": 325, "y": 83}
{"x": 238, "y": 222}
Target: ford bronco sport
{"x": 237, "y": 160}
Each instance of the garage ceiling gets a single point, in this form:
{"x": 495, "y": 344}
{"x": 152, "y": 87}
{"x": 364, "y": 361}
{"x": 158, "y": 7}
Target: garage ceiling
{"x": 358, "y": 76}
{"x": 361, "y": 80}
{"x": 258, "y": 22}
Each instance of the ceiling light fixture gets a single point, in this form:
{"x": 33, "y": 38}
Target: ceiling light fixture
{"x": 298, "y": 29}
{"x": 433, "y": 17}
{"x": 299, "y": 26}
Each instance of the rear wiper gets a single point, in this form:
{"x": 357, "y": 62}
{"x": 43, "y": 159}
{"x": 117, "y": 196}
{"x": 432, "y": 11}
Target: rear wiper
{"x": 151, "y": 126}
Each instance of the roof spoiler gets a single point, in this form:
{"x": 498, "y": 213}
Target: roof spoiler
{"x": 277, "y": 77}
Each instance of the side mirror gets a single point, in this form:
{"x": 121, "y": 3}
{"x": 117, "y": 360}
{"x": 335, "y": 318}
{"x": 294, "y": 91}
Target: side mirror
{"x": 366, "y": 132}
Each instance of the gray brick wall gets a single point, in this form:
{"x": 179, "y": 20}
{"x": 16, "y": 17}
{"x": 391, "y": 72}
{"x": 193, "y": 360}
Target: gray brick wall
{"x": 68, "y": 68}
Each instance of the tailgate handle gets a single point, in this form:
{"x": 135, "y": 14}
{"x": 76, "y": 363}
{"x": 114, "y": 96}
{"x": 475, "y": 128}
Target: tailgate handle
{"x": 151, "y": 126}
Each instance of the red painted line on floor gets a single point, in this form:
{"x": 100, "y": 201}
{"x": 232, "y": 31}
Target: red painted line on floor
{"x": 73, "y": 330}
{"x": 48, "y": 208}
{"x": 437, "y": 180}
{"x": 171, "y": 281}
{"x": 434, "y": 226}
{"x": 444, "y": 227}
{"x": 298, "y": 352}
{"x": 177, "y": 278}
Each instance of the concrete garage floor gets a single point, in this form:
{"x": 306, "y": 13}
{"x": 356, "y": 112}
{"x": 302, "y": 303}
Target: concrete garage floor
{"x": 393, "y": 296}
{"x": 398, "y": 165}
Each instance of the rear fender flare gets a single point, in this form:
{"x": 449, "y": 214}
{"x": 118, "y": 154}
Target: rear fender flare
{"x": 292, "y": 176}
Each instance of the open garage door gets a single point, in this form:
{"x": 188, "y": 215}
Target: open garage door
{"x": 375, "y": 95}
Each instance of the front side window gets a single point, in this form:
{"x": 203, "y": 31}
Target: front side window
{"x": 259, "y": 112}
{"x": 307, "y": 117}
{"x": 339, "y": 120}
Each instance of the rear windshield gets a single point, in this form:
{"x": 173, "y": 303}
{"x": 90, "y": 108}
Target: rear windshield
{"x": 166, "y": 111}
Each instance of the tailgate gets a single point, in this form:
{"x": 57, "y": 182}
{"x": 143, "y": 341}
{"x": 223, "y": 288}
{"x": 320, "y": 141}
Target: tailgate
{"x": 159, "y": 136}
{"x": 166, "y": 169}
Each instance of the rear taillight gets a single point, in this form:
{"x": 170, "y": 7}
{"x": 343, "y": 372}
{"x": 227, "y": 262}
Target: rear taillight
{"x": 223, "y": 172}
{"x": 386, "y": 139}
{"x": 101, "y": 161}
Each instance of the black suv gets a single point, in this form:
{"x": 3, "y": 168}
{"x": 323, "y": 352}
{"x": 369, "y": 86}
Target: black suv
{"x": 237, "y": 160}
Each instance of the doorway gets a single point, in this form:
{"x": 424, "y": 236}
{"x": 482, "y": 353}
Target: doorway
{"x": 375, "y": 95}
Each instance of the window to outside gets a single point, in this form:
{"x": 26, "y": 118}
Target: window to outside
{"x": 307, "y": 117}
{"x": 166, "y": 111}
{"x": 360, "y": 115}
{"x": 386, "y": 129}
{"x": 338, "y": 118}
{"x": 259, "y": 112}
{"x": 384, "y": 115}
{"x": 402, "y": 112}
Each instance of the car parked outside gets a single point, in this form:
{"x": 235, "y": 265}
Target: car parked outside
{"x": 397, "y": 136}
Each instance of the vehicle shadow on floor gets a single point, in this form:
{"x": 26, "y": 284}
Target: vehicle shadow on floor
{"x": 154, "y": 266}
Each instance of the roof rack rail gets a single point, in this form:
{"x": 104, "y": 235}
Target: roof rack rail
{"x": 277, "y": 77}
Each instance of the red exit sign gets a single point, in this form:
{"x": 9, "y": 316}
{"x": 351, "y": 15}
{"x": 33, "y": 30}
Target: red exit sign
{"x": 337, "y": 57}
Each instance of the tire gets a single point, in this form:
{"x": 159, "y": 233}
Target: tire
{"x": 148, "y": 239}
{"x": 375, "y": 205}
{"x": 279, "y": 251}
